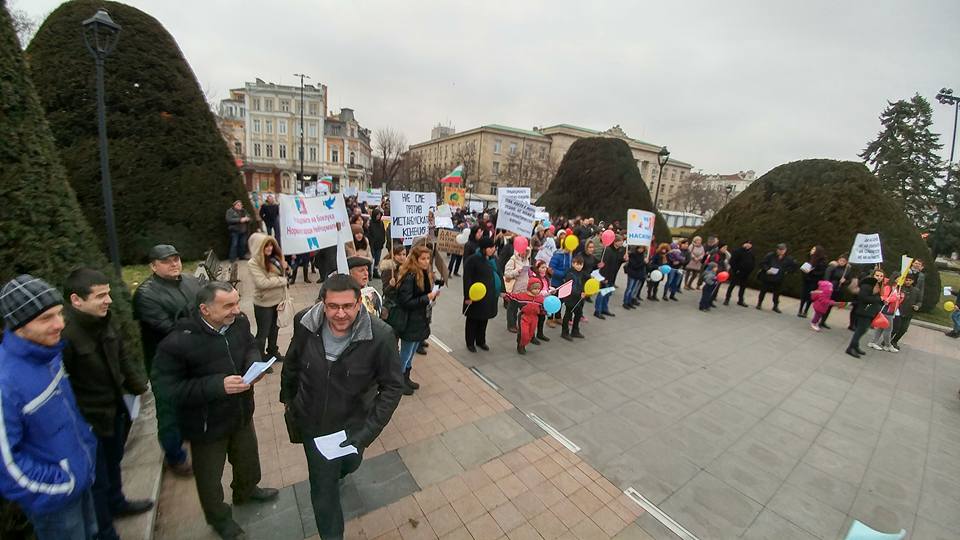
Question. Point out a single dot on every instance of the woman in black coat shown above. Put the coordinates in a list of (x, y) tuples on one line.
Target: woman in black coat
[(868, 305), (811, 277), (480, 267), (414, 297), (377, 235)]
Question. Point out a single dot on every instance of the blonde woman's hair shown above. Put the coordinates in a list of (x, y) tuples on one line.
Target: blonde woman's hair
[(411, 266)]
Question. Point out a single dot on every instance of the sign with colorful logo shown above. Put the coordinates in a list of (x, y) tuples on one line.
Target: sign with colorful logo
[(310, 223), (454, 196), (640, 227)]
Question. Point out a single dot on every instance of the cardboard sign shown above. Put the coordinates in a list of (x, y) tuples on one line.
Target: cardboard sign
[(310, 223), (866, 249), (640, 227), (516, 215), (447, 242), (410, 214), (505, 193), (454, 196), (373, 197)]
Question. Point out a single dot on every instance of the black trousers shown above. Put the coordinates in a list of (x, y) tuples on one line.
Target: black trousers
[(805, 301), (574, 314), (454, 265), (766, 287), (108, 484), (325, 478), (862, 325), (267, 330), (652, 288), (900, 326), (736, 281), (475, 331), (240, 447)]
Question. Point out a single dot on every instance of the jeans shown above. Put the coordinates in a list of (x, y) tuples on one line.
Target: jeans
[(376, 252), (706, 297), (78, 521), (325, 476), (108, 484), (955, 317), (674, 279), (238, 245), (632, 290), (267, 330), (602, 303), (240, 447), (407, 351)]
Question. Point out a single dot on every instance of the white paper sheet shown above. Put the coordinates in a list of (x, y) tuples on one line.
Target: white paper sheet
[(806, 268), (596, 275), (947, 291), (133, 405), (256, 369), (329, 445)]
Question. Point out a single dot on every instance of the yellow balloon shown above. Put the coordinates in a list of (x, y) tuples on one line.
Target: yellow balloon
[(949, 306), (571, 242), (477, 291), (591, 287)]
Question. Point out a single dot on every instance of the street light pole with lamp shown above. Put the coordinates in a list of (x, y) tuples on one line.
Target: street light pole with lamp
[(100, 35), (946, 97), (662, 158), (302, 134), (729, 190)]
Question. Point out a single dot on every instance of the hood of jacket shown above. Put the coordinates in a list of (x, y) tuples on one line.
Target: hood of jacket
[(825, 287), (257, 242)]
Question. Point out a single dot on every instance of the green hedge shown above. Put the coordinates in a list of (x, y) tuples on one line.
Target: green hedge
[(173, 175), (599, 177), (825, 202)]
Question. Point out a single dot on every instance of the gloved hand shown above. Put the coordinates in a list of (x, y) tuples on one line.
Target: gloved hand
[(358, 439)]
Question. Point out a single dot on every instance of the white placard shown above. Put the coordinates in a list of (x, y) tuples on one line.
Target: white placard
[(516, 215), (443, 217), (310, 223), (504, 193), (475, 206), (866, 249), (350, 192), (410, 214), (373, 197), (640, 227)]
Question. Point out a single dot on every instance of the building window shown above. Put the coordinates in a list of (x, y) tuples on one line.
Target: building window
[(312, 129), (268, 105), (282, 127), (513, 149), (237, 148), (313, 153), (543, 152), (314, 109), (255, 104), (335, 155), (493, 188), (270, 150), (496, 167), (285, 105), (269, 124), (283, 151), (353, 157), (497, 144), (256, 149), (256, 126)]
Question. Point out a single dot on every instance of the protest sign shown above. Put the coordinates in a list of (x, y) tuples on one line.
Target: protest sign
[(410, 214), (639, 227), (447, 242), (310, 223), (504, 193), (443, 217), (516, 215), (373, 197), (866, 249), (476, 206), (350, 191), (454, 196), (542, 218)]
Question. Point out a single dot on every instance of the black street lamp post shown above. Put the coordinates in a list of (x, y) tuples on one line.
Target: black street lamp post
[(946, 97), (662, 158), (302, 133), (729, 190), (100, 35)]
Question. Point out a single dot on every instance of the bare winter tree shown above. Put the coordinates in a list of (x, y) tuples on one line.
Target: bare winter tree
[(697, 195), (389, 148), (23, 25), (529, 169)]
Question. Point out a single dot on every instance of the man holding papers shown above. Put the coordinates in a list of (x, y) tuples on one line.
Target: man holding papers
[(340, 382), (200, 365)]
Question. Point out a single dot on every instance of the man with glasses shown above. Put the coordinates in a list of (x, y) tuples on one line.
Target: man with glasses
[(341, 373)]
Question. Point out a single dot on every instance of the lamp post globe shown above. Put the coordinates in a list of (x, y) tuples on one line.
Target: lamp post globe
[(663, 156)]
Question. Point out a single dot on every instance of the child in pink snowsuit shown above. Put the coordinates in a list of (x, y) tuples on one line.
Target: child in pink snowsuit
[(821, 302)]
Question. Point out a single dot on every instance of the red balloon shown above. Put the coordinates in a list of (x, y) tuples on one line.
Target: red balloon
[(722, 277), (553, 228), (569, 230), (607, 238), (520, 244)]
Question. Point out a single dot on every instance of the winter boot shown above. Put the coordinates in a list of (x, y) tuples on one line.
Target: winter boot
[(409, 382)]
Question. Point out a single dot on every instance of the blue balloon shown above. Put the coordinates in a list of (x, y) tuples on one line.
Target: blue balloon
[(665, 269), (551, 304)]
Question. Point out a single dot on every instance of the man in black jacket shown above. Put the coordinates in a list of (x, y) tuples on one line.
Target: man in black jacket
[(773, 269), (159, 302), (341, 373), (742, 262), (270, 215), (101, 372), (200, 365)]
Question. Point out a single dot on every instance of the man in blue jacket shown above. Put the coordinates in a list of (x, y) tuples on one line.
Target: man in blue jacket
[(49, 451)]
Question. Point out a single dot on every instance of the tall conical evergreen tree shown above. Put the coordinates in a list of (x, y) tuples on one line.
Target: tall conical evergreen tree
[(904, 157), (42, 230), (598, 177), (173, 175)]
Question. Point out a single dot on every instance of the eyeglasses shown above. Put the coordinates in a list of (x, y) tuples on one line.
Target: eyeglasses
[(333, 308)]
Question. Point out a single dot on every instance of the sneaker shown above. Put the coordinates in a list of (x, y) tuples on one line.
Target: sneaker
[(873, 345), (814, 327), (891, 348)]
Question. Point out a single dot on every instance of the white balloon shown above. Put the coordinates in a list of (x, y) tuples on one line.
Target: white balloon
[(463, 237), (656, 276)]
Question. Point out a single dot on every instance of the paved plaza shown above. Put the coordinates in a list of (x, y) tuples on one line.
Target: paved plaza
[(734, 423)]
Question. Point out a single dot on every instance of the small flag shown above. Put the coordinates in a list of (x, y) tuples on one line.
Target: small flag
[(455, 176), (327, 181), (565, 290)]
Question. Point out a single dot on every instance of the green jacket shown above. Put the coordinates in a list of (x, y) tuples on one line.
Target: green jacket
[(100, 370)]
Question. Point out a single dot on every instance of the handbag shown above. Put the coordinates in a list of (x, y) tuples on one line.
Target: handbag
[(880, 322), (285, 310)]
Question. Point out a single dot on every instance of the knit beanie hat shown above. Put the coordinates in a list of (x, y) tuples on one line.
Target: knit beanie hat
[(24, 298)]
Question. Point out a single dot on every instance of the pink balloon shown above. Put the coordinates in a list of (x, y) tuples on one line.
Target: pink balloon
[(520, 244), (607, 238), (553, 228), (722, 277)]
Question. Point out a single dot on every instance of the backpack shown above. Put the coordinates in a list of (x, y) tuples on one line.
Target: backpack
[(392, 313)]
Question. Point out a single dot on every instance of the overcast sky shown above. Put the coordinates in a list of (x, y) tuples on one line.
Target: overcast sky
[(727, 86)]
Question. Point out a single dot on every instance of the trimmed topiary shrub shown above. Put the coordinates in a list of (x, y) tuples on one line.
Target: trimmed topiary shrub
[(173, 176), (825, 202), (598, 177), (42, 231)]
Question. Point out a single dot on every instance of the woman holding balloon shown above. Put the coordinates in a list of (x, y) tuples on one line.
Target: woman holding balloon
[(481, 290)]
